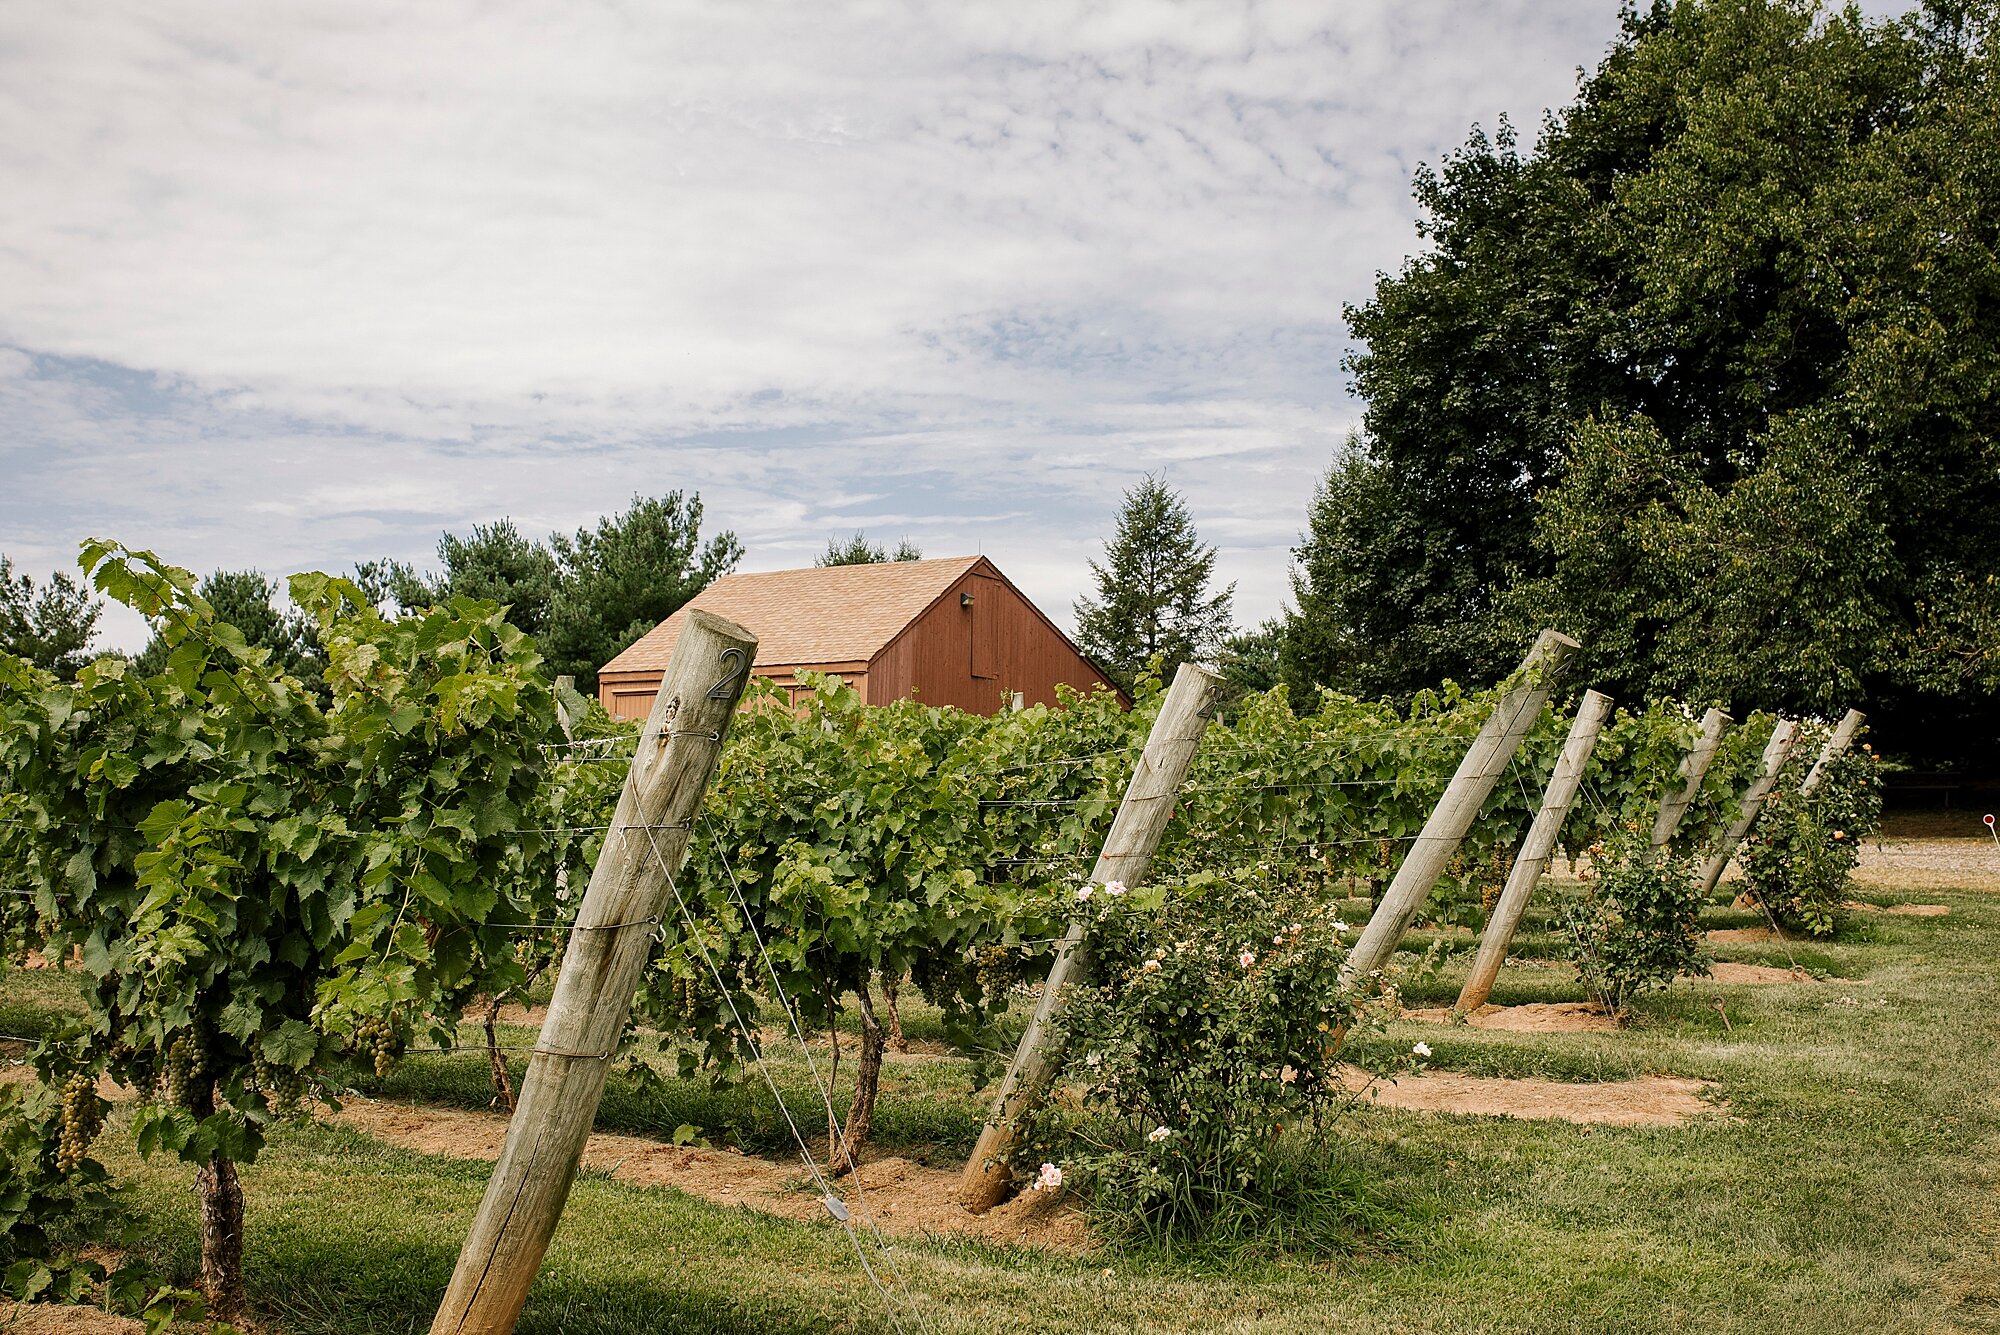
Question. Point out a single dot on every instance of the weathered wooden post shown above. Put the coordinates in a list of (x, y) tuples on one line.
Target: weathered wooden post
[(1694, 768), (1533, 858), (614, 934), (1842, 738), (1126, 856), (1776, 752), (1485, 761)]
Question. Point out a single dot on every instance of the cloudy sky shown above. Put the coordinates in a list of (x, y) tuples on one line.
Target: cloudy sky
[(295, 285)]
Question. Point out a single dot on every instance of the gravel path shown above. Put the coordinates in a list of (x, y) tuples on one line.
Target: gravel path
[(1934, 864)]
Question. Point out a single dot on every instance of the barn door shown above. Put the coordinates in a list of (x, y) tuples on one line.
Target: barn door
[(985, 620)]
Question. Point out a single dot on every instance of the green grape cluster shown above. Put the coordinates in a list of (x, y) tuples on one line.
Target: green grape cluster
[(998, 967), (187, 1059), (376, 1034), (82, 1119), (283, 1089)]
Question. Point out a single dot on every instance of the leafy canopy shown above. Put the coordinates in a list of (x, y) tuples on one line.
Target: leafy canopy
[(248, 600), (260, 877), (1741, 290)]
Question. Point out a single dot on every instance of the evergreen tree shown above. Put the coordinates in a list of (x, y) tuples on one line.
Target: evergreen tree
[(50, 626), (620, 579), (248, 600), (858, 551), (497, 562), (1152, 592)]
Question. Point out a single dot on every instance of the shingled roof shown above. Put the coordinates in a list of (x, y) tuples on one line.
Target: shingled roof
[(824, 614)]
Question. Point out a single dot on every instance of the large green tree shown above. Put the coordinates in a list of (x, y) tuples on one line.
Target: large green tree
[(620, 579), (50, 625), (495, 563), (1708, 378), (1153, 596), (583, 596)]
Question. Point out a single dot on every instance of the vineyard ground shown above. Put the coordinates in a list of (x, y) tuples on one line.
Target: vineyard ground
[(1846, 1178)]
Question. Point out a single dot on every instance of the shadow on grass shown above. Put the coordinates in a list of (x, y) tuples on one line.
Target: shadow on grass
[(314, 1302), (740, 1113), (347, 1235)]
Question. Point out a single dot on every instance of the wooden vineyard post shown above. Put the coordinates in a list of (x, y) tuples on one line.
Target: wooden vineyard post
[(1535, 849), (1693, 770), (1842, 738), (1485, 761), (629, 897), (1126, 856), (1776, 752)]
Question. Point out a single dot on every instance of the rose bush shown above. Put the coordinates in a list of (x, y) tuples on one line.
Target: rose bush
[(1205, 1032), (1803, 852), (1634, 929)]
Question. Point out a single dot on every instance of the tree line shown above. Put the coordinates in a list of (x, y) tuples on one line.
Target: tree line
[(1708, 378)]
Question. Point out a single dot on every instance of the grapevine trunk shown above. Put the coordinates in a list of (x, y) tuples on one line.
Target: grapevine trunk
[(221, 1195), (503, 1088), (867, 1080), (896, 1038)]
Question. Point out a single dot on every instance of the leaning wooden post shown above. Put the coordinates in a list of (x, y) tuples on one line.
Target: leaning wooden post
[(1694, 768), (1485, 761), (1776, 752), (1535, 849), (1126, 856), (1842, 738), (629, 897)]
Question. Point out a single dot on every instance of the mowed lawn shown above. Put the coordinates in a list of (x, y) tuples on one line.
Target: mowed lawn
[(1846, 1184)]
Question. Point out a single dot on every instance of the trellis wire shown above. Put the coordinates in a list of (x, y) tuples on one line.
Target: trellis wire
[(756, 1050), (812, 1063)]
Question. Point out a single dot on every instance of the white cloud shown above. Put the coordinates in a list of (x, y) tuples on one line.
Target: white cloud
[(305, 284)]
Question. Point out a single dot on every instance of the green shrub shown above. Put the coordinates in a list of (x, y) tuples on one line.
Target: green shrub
[(1203, 1036), (1803, 851), (1634, 929)]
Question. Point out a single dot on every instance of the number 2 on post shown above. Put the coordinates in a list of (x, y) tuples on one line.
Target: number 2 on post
[(726, 688)]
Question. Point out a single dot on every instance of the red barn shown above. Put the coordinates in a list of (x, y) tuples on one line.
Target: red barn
[(948, 632)]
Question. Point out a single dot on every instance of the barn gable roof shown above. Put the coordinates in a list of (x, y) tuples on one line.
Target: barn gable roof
[(823, 614)]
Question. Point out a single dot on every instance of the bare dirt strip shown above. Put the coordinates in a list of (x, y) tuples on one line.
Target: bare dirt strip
[(903, 1197), (1649, 1100), (1536, 1017), (55, 1319)]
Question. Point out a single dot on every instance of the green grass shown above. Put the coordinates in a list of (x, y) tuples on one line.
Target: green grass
[(1850, 1186)]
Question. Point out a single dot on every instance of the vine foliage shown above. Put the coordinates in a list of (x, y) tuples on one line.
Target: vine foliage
[(261, 878)]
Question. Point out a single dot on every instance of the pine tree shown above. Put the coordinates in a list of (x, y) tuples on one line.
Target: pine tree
[(51, 625), (1153, 598), (858, 551)]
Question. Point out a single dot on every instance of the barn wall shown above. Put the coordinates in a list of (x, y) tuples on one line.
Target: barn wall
[(1000, 637), (629, 695)]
